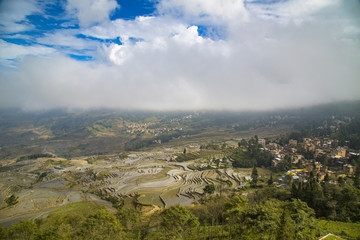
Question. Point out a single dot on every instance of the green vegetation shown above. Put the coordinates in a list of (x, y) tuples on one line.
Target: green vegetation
[(101, 224), (254, 176), (267, 212), (270, 181), (342, 229), (300, 210), (12, 200), (186, 157), (349, 132), (210, 188), (289, 208), (215, 217), (34, 156), (82, 208), (329, 200), (174, 223), (249, 154), (345, 133), (102, 175)]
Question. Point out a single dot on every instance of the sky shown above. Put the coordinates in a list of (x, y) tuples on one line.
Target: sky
[(178, 54)]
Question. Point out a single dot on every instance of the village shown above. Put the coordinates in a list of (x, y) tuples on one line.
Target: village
[(154, 127), (324, 157)]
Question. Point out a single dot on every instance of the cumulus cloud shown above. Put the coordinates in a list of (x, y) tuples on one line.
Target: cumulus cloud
[(144, 28), (92, 11), (305, 55)]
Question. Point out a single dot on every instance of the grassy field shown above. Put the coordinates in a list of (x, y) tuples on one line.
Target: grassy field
[(81, 208), (342, 229), (153, 177), (151, 199)]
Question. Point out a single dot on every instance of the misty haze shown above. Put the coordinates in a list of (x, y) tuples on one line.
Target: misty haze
[(180, 119)]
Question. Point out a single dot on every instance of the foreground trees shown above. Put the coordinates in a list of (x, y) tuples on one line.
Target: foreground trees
[(216, 218), (174, 223), (100, 225), (334, 201), (273, 219)]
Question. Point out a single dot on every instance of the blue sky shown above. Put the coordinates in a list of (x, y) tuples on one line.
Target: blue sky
[(49, 17), (178, 54)]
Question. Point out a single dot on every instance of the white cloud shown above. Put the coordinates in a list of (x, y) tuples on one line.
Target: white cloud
[(67, 38), (12, 12), (303, 57), (296, 11), (146, 28), (299, 65), (83, 84), (118, 54), (10, 52), (184, 41), (92, 11), (206, 11), (190, 37)]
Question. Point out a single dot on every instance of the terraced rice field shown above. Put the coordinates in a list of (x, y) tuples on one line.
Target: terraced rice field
[(43, 185)]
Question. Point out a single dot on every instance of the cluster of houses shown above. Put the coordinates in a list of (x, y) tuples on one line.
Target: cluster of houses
[(146, 128), (328, 148), (149, 128)]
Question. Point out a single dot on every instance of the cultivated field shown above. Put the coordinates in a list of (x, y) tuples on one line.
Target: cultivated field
[(148, 178)]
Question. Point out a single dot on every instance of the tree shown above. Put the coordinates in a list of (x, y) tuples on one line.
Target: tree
[(285, 164), (323, 159), (313, 192), (241, 160), (211, 211), (210, 188), (2, 232), (296, 190), (341, 181), (217, 162), (254, 175), (327, 178), (270, 181), (243, 142), (286, 227), (255, 221), (24, 230), (101, 225), (12, 200), (176, 221), (357, 177), (130, 218), (135, 200), (273, 219)]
